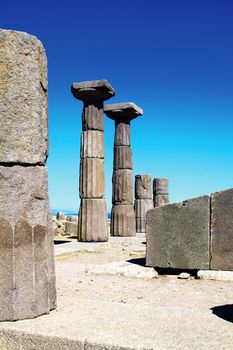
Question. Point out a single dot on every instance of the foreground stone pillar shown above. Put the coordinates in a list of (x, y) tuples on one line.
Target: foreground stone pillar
[(143, 200), (93, 221), (160, 192), (122, 216), (27, 278)]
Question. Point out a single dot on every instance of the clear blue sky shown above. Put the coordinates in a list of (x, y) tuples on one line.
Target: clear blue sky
[(174, 58)]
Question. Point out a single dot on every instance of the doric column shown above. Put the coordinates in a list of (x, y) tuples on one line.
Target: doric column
[(122, 216), (143, 200), (93, 221), (160, 192), (27, 277)]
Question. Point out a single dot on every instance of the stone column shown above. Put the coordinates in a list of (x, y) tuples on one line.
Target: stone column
[(27, 278), (122, 216), (93, 221), (143, 200), (160, 192)]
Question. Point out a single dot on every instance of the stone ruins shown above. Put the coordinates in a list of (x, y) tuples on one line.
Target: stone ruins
[(27, 278), (194, 234), (93, 220), (160, 192), (143, 200), (122, 215)]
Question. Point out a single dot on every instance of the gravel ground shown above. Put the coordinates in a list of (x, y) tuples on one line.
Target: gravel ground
[(102, 311)]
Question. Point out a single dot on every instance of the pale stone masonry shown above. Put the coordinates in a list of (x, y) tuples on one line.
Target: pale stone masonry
[(93, 221), (178, 235), (27, 277), (122, 215), (194, 234), (160, 192), (143, 200)]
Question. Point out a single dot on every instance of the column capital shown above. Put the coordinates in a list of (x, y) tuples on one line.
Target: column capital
[(123, 111), (96, 90)]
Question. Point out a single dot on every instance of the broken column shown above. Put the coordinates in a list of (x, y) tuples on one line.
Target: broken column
[(160, 192), (143, 200), (27, 278), (93, 221), (122, 215)]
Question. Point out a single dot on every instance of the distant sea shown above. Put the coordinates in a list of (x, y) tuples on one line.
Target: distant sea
[(69, 212)]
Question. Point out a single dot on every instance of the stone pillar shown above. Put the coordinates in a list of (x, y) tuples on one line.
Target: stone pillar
[(93, 221), (143, 200), (160, 192), (27, 277), (122, 216)]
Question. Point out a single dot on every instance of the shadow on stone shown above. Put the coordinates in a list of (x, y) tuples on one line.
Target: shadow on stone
[(171, 271), (224, 311), (138, 261), (57, 241)]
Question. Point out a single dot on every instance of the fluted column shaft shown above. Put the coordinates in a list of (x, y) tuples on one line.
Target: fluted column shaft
[(143, 200), (93, 221), (160, 192), (122, 215)]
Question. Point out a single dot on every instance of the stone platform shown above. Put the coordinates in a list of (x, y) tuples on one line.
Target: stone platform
[(103, 311)]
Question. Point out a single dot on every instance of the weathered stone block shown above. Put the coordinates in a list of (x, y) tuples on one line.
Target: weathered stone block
[(92, 180), (122, 157), (161, 199), (141, 224), (222, 230), (122, 187), (93, 117), (143, 188), (92, 144), (123, 221), (122, 133), (71, 228), (93, 221), (142, 206), (160, 186), (27, 287), (23, 99), (178, 235)]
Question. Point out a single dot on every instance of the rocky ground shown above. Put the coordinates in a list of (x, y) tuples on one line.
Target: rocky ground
[(107, 299)]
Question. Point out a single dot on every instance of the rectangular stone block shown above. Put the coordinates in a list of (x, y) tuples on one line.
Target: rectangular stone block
[(122, 133), (93, 221), (27, 277), (143, 188), (92, 144), (23, 99), (122, 187), (178, 235), (92, 180), (142, 206), (122, 157), (161, 199), (93, 117), (222, 230)]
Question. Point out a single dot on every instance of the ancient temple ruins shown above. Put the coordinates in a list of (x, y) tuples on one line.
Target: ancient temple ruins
[(93, 221), (27, 278), (122, 215), (143, 200)]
